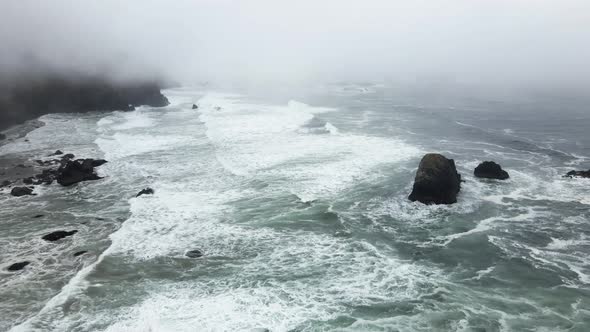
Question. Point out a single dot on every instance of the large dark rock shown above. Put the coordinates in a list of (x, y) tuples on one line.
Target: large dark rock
[(21, 191), (58, 235), (490, 170), (437, 181), (18, 266), (580, 174), (195, 106), (146, 191), (77, 171), (26, 98)]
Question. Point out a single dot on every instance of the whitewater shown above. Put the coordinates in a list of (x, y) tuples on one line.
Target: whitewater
[(300, 210)]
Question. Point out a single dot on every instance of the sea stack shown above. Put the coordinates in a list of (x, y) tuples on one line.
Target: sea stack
[(490, 170), (437, 181)]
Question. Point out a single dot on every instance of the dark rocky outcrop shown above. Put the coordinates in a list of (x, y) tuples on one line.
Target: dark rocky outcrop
[(437, 181), (80, 253), (28, 98), (21, 191), (146, 191), (195, 106), (57, 153), (79, 170), (58, 235), (38, 216), (580, 174), (18, 266), (490, 170), (194, 253)]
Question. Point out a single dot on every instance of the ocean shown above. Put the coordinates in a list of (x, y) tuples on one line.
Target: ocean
[(298, 203)]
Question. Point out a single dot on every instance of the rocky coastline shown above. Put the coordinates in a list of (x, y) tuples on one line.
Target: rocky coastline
[(27, 99)]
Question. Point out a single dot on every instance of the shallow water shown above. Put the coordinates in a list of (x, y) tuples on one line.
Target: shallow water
[(302, 215)]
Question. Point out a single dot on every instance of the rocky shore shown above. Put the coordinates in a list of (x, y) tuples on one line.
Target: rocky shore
[(27, 99)]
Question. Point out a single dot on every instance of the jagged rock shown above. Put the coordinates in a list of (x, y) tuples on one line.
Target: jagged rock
[(58, 235), (195, 106), (18, 266), (437, 181), (68, 156), (490, 170), (21, 191), (98, 162), (146, 191), (581, 174), (80, 253), (57, 153), (194, 253), (76, 171)]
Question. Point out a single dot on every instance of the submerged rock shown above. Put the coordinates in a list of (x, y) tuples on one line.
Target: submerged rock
[(18, 266), (2, 136), (38, 216), (194, 253), (195, 106), (581, 174), (490, 170), (146, 191), (58, 235), (437, 181), (21, 191), (80, 253)]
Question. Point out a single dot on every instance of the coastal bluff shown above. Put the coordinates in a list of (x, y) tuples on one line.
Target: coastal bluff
[(27, 99)]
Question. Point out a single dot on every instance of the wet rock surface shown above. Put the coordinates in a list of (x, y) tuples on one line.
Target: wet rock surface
[(195, 253), (146, 191), (578, 174), (21, 191), (490, 170), (436, 181), (58, 235), (18, 266)]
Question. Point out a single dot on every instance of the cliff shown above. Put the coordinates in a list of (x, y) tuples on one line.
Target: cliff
[(29, 99)]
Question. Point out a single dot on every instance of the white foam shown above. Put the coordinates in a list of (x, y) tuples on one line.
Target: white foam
[(266, 141), (122, 145)]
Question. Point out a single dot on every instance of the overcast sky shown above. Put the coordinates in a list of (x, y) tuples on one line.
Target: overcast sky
[(501, 41)]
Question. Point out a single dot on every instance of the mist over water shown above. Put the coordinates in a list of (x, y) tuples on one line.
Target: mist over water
[(503, 43)]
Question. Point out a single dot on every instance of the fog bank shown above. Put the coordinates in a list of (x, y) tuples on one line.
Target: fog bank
[(505, 42)]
